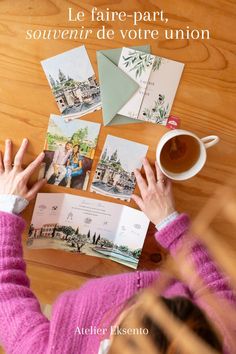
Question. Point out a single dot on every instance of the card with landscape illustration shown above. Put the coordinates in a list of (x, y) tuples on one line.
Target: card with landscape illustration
[(73, 82), (69, 152), (114, 175), (158, 79), (88, 226)]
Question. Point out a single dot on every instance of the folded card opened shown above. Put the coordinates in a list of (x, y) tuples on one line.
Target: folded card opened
[(88, 226)]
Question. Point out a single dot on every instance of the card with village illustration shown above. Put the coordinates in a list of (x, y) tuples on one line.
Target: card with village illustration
[(114, 175), (158, 79), (69, 152), (88, 226), (73, 82)]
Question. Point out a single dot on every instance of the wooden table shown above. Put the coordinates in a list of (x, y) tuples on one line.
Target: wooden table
[(205, 101)]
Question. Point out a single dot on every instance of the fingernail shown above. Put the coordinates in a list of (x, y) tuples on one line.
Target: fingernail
[(8, 141), (25, 140)]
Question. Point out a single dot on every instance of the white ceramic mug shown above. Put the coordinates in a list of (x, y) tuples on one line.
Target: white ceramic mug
[(204, 144)]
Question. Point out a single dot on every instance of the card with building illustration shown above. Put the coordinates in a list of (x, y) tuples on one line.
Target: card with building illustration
[(88, 226), (69, 152), (114, 175), (158, 79), (73, 82)]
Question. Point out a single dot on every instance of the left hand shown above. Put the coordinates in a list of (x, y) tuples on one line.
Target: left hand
[(13, 178), (156, 201)]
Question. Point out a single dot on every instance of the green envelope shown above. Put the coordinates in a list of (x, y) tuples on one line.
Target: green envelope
[(115, 85)]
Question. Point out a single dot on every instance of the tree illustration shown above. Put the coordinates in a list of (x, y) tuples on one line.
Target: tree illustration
[(114, 156), (61, 76), (104, 155), (31, 229), (79, 136), (88, 235), (67, 230), (77, 231), (124, 249), (97, 240), (94, 238), (79, 246), (137, 253), (52, 82)]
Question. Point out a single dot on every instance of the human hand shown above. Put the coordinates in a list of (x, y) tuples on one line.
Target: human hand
[(13, 178), (156, 201)]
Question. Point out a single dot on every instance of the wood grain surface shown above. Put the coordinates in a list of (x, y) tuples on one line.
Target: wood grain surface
[(205, 100)]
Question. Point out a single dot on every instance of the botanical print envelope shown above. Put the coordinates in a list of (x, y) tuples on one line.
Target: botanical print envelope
[(138, 66), (114, 175), (69, 152), (73, 82), (161, 89), (88, 226)]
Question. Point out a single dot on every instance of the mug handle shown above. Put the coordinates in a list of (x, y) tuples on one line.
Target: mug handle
[(210, 140)]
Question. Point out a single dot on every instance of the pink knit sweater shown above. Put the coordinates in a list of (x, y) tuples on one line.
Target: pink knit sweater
[(23, 327)]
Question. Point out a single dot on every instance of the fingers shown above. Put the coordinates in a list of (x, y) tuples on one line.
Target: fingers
[(20, 154), (161, 178), (7, 159), (160, 174), (149, 172), (34, 190), (33, 166), (1, 163), (141, 183), (138, 201), (168, 185)]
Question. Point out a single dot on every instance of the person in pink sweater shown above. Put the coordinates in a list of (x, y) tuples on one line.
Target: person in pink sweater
[(81, 319)]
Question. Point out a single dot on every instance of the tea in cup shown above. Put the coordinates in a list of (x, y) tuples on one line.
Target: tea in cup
[(181, 154)]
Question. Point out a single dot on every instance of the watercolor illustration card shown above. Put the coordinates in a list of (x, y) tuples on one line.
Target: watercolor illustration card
[(114, 175), (161, 89), (158, 79), (129, 62), (69, 152), (73, 82), (88, 226)]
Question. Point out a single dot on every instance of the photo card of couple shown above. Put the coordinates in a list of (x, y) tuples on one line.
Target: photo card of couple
[(158, 79), (114, 175), (73, 82), (69, 152), (88, 226)]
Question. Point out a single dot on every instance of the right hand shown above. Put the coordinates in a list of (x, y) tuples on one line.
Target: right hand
[(13, 177), (156, 201)]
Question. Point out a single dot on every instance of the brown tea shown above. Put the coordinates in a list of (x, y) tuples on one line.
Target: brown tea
[(180, 153)]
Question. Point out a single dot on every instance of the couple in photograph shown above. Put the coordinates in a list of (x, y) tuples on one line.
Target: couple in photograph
[(66, 164)]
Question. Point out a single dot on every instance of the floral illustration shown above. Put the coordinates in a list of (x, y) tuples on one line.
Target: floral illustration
[(159, 112), (138, 61), (157, 63)]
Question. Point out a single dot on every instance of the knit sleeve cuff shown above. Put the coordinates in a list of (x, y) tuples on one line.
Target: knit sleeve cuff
[(172, 232), (11, 228)]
